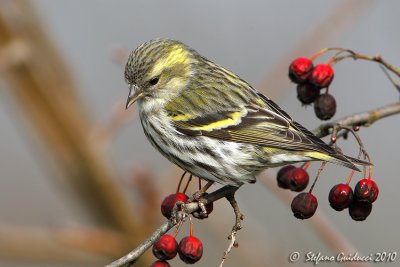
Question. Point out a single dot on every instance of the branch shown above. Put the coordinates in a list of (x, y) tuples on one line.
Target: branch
[(189, 208), (359, 119), (377, 58)]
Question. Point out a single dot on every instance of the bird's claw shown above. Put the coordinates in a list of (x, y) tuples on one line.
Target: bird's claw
[(202, 212)]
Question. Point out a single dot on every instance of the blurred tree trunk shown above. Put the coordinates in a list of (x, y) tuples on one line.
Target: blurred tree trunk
[(45, 93)]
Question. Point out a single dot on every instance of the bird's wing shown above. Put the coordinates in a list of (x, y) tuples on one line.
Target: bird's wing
[(259, 121)]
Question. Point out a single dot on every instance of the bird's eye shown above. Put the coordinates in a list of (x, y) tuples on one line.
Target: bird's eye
[(154, 81)]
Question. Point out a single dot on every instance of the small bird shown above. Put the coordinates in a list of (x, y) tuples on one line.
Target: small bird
[(210, 122)]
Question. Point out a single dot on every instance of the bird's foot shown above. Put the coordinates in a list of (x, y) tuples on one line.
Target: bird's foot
[(202, 213), (199, 197), (199, 194)]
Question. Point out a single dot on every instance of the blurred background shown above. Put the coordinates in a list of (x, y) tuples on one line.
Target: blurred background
[(80, 184)]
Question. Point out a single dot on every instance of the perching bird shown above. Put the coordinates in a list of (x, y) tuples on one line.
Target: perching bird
[(210, 122)]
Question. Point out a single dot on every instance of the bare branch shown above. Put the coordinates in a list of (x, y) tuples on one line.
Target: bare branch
[(359, 119), (377, 58)]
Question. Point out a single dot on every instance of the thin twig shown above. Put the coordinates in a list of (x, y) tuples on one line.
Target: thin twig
[(377, 58), (233, 243), (391, 79), (321, 168)]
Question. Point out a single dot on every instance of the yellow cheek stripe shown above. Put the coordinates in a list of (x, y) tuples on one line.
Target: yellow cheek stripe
[(176, 83), (178, 55), (234, 119)]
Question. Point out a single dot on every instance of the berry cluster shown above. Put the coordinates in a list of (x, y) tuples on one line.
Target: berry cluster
[(190, 248), (310, 80), (296, 179), (341, 196), (358, 202)]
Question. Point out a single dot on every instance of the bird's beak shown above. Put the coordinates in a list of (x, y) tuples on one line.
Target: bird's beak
[(134, 94)]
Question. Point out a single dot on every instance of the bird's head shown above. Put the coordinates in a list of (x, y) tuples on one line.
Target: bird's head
[(158, 69)]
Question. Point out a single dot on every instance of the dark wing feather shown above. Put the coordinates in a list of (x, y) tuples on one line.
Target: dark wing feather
[(265, 126)]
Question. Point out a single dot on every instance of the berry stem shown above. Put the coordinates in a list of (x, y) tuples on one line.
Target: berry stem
[(326, 49), (188, 182), (370, 173), (178, 227), (180, 181), (350, 177), (337, 54), (318, 173), (191, 226), (353, 171), (306, 165), (360, 143), (320, 52)]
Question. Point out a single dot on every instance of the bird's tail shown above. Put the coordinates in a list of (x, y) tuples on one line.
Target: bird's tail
[(340, 159)]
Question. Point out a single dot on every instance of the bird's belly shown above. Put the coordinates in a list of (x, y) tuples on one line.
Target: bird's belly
[(207, 158)]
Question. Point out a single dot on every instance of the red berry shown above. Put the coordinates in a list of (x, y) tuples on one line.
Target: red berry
[(300, 69), (209, 208), (359, 211), (340, 196), (165, 248), (160, 264), (307, 93), (322, 75), (325, 107), (170, 201), (284, 175), (190, 249), (366, 190), (299, 180), (304, 205)]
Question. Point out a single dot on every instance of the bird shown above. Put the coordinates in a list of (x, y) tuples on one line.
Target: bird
[(211, 123)]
